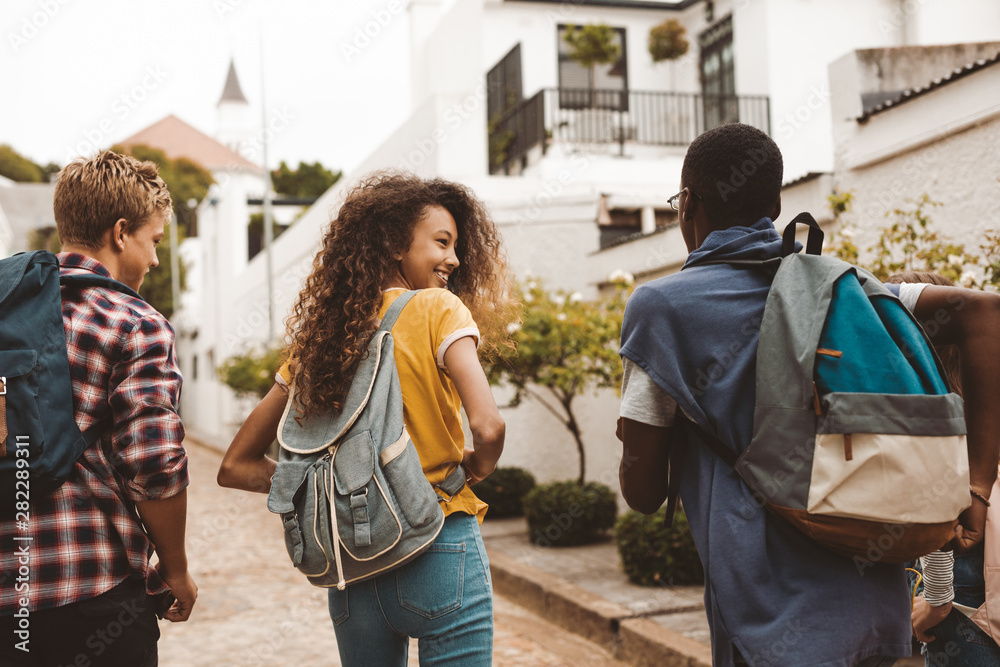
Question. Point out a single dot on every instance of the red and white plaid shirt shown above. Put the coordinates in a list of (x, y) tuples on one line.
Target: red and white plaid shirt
[(85, 538)]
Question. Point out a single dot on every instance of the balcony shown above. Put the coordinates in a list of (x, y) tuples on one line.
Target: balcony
[(587, 116)]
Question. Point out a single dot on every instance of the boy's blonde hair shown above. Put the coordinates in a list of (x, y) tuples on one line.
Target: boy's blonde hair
[(93, 194)]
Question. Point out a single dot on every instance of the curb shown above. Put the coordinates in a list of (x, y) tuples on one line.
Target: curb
[(630, 638)]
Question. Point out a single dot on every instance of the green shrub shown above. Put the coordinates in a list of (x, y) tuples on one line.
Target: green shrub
[(504, 490), (653, 554), (251, 374), (565, 513)]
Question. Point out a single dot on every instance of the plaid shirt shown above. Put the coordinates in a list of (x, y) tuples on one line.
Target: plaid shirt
[(86, 538)]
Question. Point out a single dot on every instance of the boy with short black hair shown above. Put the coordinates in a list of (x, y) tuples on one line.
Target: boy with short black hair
[(92, 538), (689, 345)]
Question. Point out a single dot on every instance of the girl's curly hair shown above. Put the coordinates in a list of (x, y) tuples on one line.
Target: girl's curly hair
[(336, 312)]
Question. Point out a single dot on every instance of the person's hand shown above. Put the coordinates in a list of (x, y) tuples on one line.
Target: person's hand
[(184, 590), (926, 617), (971, 527), (475, 471)]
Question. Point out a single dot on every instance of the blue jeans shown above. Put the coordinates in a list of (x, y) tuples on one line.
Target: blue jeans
[(957, 640), (444, 598)]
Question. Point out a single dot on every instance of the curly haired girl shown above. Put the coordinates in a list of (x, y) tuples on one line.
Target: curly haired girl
[(397, 232)]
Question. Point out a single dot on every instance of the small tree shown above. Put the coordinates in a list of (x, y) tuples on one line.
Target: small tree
[(668, 42), (909, 243), (308, 181), (565, 347), (18, 168), (592, 45), (251, 374)]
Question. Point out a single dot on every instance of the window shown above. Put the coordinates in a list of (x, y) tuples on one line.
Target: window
[(503, 84), (578, 90), (718, 74)]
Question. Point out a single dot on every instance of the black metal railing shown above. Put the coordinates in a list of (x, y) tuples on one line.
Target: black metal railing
[(586, 116)]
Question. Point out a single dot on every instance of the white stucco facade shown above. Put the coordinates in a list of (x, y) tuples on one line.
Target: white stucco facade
[(548, 212)]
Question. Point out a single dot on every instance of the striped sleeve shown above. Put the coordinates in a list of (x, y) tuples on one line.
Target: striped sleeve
[(938, 571)]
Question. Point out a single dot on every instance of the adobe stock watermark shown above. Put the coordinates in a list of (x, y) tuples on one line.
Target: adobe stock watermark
[(453, 118), (363, 35), (123, 106), (31, 25), (223, 7), (739, 173), (897, 19), (818, 98)]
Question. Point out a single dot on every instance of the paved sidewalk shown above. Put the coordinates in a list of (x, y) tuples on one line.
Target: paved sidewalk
[(585, 590), (557, 607), (254, 609)]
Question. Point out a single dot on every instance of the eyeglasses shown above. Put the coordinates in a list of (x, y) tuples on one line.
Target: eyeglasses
[(676, 199)]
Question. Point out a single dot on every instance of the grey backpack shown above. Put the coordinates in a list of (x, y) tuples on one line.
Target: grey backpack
[(349, 486)]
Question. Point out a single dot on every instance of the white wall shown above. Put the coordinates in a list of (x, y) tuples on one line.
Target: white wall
[(950, 22), (942, 144)]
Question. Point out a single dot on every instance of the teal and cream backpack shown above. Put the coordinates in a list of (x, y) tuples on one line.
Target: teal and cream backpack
[(857, 440)]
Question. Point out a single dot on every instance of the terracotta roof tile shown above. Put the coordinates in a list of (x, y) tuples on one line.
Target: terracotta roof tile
[(178, 139)]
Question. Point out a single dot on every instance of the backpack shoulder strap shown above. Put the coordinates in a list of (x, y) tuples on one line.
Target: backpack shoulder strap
[(94, 280), (395, 309)]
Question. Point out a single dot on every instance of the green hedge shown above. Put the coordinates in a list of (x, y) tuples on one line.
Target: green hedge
[(653, 554), (564, 513), (504, 491)]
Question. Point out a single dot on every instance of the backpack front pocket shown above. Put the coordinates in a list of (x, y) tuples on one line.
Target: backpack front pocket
[(888, 457), (367, 523)]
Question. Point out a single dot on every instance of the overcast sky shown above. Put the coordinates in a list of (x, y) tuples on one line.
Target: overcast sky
[(77, 75)]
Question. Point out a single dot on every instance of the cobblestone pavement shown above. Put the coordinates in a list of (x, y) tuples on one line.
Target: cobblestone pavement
[(254, 609)]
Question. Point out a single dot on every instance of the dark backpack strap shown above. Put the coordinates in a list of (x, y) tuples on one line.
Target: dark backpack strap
[(814, 244), (675, 470), (676, 460), (393, 312), (718, 447), (93, 280), (452, 484)]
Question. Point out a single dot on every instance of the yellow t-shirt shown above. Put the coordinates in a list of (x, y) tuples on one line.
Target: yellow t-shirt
[(430, 323)]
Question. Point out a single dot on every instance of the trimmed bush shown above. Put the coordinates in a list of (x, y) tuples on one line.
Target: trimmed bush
[(653, 554), (563, 514), (504, 490)]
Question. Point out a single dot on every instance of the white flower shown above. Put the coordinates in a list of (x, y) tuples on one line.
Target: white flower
[(967, 278), (532, 284), (955, 260), (619, 276), (528, 297), (558, 299), (847, 233), (575, 297), (513, 327), (561, 317)]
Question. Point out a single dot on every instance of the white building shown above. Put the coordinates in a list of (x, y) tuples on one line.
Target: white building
[(25, 208), (498, 105), (933, 131)]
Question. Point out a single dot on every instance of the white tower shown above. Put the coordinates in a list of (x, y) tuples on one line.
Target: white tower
[(234, 113)]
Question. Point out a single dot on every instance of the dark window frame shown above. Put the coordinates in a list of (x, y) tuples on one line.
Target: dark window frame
[(588, 100), (504, 88), (718, 87)]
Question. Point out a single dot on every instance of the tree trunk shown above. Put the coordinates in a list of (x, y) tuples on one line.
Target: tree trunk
[(574, 428), (593, 82)]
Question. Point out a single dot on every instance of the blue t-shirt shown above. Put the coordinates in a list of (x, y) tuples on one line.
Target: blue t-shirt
[(771, 592)]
